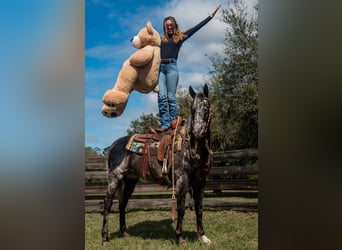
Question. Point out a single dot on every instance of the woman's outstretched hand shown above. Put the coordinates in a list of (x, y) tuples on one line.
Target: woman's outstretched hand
[(214, 12)]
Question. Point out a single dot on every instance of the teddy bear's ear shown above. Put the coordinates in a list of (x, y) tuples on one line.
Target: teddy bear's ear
[(149, 27)]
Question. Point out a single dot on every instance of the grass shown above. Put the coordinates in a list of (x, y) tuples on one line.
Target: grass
[(154, 230)]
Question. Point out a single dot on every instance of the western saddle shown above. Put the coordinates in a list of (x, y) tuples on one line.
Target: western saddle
[(157, 150)]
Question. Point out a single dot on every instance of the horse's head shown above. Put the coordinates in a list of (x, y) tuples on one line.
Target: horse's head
[(200, 113)]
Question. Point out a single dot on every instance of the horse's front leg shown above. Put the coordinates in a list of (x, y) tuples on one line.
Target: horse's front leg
[(198, 193), (182, 189)]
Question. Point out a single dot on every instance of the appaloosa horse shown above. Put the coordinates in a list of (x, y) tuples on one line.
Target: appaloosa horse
[(191, 165)]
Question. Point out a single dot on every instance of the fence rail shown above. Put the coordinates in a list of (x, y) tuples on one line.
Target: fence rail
[(223, 181)]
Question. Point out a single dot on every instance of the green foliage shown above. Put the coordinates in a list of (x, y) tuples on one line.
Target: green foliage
[(234, 83), (233, 86), (105, 151), (93, 152), (140, 125), (184, 102)]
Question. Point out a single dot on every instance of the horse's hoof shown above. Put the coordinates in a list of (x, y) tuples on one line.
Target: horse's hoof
[(126, 235), (205, 239), (105, 243), (182, 242)]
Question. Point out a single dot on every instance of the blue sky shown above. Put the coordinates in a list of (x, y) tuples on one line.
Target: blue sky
[(109, 26)]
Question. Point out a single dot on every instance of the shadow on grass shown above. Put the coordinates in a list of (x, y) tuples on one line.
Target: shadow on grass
[(158, 229)]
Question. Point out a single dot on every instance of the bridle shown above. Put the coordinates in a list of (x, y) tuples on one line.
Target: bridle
[(193, 152), (211, 112)]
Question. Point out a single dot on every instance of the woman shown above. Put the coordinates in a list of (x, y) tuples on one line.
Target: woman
[(172, 41)]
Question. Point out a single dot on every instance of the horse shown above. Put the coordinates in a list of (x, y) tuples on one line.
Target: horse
[(191, 165)]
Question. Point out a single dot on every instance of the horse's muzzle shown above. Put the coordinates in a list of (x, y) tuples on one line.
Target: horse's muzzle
[(198, 131)]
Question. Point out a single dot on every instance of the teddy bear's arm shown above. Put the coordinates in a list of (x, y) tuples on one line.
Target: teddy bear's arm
[(142, 56)]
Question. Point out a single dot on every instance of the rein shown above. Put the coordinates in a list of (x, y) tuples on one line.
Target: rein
[(173, 198), (211, 113)]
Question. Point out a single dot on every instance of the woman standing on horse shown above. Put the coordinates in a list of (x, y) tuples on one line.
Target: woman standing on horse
[(172, 41)]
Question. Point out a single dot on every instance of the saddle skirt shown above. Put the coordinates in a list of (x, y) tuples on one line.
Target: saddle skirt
[(157, 151)]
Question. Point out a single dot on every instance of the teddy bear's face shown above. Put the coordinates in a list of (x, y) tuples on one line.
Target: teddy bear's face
[(146, 36)]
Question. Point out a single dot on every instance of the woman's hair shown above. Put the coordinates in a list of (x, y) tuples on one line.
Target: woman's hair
[(177, 36)]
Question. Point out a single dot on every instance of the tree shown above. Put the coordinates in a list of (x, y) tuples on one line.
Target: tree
[(234, 83), (184, 102), (93, 152), (140, 125)]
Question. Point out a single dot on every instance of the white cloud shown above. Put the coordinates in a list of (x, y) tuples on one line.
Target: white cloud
[(193, 63), (110, 51), (151, 103), (192, 56), (101, 131), (195, 79)]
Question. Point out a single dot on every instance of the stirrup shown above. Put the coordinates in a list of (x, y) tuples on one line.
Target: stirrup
[(164, 168)]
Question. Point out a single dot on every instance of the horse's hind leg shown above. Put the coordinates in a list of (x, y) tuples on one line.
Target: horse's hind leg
[(128, 188), (108, 201), (182, 189), (198, 191)]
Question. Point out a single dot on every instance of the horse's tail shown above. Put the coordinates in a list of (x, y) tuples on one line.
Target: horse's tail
[(117, 152)]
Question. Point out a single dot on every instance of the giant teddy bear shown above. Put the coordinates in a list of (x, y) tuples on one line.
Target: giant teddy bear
[(139, 72)]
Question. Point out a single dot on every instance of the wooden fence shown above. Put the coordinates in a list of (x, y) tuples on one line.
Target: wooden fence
[(225, 181)]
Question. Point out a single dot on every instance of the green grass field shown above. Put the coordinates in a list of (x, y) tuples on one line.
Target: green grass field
[(154, 230)]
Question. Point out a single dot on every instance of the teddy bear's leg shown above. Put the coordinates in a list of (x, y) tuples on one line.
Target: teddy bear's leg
[(109, 112), (114, 103)]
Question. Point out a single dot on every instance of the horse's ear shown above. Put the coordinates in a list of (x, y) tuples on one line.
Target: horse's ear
[(206, 90), (192, 92)]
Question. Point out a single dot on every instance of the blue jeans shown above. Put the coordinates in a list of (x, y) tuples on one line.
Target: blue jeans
[(167, 103)]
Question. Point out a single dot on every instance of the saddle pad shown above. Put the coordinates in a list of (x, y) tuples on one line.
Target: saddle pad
[(159, 145), (138, 146)]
